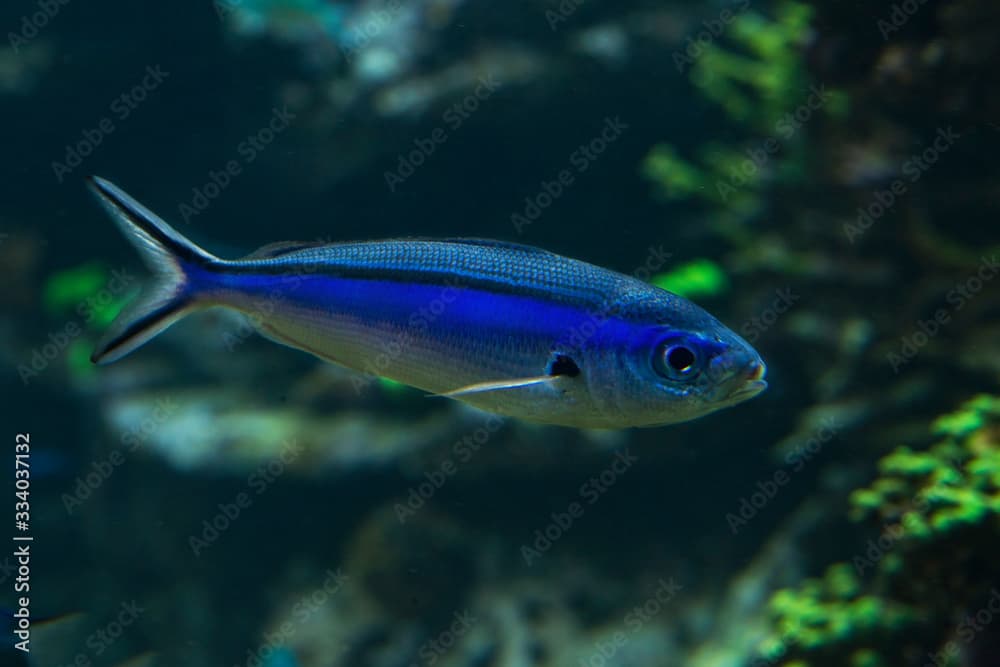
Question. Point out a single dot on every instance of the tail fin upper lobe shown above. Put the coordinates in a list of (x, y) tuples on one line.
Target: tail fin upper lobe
[(172, 258)]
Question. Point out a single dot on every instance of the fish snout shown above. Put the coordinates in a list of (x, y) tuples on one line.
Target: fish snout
[(750, 381), (736, 376)]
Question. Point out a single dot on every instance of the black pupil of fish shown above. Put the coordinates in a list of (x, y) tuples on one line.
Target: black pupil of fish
[(680, 358)]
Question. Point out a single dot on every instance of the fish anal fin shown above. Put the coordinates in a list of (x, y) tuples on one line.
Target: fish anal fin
[(499, 385)]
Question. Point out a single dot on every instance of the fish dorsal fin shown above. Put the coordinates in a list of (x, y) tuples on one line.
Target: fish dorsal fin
[(272, 250), (282, 248), (491, 243)]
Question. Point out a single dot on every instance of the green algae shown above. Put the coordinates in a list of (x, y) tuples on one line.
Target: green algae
[(953, 484), (757, 80), (700, 277), (755, 73), (829, 611), (928, 501), (65, 289)]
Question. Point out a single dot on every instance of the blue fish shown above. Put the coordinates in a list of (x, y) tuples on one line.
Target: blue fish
[(507, 328)]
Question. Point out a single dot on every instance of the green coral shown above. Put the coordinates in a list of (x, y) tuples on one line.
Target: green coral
[(927, 501)]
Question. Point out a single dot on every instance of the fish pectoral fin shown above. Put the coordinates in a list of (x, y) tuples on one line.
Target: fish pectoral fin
[(498, 385)]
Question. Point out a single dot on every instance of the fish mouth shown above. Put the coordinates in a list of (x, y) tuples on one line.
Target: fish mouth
[(753, 382)]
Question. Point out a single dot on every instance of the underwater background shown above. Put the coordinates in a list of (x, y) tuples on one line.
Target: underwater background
[(821, 176)]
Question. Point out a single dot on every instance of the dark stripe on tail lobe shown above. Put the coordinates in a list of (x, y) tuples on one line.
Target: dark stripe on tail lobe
[(148, 221), (171, 257)]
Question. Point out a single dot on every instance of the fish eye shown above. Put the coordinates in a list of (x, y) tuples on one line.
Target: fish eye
[(676, 361)]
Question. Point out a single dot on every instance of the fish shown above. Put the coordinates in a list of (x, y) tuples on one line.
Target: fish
[(507, 328)]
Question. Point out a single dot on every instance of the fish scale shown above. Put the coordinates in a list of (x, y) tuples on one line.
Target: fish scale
[(471, 260)]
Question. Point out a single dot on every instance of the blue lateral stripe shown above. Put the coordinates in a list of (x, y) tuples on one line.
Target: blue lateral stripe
[(415, 306), (584, 297)]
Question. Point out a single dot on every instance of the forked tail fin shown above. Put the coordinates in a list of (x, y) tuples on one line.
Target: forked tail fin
[(175, 261)]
